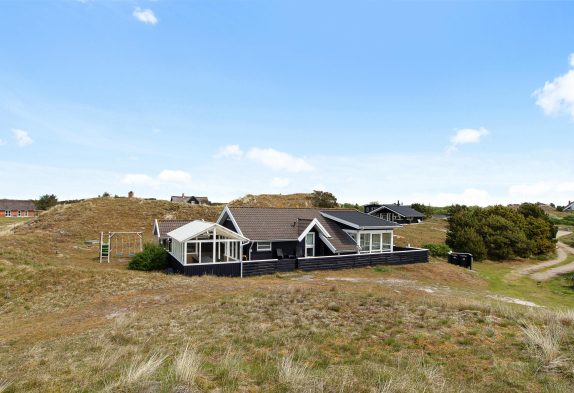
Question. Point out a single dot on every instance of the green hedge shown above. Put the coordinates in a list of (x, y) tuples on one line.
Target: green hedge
[(437, 250), (153, 257)]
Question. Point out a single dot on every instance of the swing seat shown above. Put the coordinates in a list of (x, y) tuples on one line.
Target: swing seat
[(120, 254)]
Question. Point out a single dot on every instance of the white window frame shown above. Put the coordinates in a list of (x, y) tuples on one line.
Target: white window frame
[(25, 213), (195, 248), (262, 246), (383, 247), (19, 214), (310, 245), (7, 213)]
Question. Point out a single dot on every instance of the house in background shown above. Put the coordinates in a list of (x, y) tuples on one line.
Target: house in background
[(194, 200), (569, 207), (17, 208), (395, 212)]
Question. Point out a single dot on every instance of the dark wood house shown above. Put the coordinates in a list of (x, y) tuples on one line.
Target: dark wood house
[(395, 212), (302, 233), (194, 200)]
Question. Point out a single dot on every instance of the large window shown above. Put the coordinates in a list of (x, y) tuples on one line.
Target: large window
[(310, 245), (376, 241), (8, 213), (192, 248), (263, 246)]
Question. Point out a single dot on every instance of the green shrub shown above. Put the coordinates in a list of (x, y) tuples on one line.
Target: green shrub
[(500, 232), (437, 250), (153, 257)]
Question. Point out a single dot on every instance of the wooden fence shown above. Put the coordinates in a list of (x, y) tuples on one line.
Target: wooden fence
[(401, 256)]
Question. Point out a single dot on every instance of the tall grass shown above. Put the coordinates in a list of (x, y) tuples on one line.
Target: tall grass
[(139, 372), (186, 366), (544, 344)]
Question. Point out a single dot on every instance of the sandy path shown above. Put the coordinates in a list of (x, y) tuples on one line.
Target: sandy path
[(561, 249), (550, 273)]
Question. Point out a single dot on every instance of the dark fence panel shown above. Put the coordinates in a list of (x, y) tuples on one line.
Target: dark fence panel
[(255, 268)]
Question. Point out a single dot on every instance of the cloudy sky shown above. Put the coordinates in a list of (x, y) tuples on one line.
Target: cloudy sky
[(450, 102)]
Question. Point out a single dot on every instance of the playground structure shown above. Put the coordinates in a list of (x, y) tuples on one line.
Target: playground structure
[(120, 245)]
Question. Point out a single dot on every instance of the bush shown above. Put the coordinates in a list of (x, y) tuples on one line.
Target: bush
[(437, 250), (153, 257), (46, 201), (500, 232)]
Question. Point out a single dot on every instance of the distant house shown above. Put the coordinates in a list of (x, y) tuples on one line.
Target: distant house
[(194, 200), (395, 212), (569, 207), (17, 208)]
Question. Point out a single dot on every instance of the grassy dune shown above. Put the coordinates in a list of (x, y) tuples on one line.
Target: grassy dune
[(68, 323)]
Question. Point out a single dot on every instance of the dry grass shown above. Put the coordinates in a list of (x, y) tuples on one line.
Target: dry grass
[(186, 366), (274, 200), (429, 231), (71, 324), (139, 372), (545, 344)]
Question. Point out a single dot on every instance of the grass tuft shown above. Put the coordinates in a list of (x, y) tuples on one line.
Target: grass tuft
[(187, 365), (544, 345), (141, 371)]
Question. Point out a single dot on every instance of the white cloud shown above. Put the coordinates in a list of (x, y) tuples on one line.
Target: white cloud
[(544, 191), (469, 196), (171, 176), (230, 151), (145, 16), (138, 179), (465, 136), (22, 137), (557, 96), (278, 160), (280, 182)]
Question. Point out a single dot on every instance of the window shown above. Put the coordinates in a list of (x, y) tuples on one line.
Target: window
[(387, 241), (25, 213), (8, 213), (376, 242), (310, 245), (263, 246), (192, 248), (19, 213), (365, 242)]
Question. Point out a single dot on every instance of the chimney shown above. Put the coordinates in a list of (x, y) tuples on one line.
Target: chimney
[(398, 203)]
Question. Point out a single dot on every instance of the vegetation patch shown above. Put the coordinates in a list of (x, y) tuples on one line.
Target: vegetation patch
[(153, 257)]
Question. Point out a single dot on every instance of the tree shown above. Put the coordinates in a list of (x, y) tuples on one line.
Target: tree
[(46, 201), (426, 210), (323, 199), (105, 194)]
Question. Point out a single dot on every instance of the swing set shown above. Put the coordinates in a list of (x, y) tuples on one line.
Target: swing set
[(120, 245)]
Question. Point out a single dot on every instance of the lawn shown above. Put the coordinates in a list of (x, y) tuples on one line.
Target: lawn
[(557, 293)]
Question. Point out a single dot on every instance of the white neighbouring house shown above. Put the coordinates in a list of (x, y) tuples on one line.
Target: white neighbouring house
[(569, 207)]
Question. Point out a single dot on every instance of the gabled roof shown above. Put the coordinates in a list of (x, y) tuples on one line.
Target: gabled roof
[(188, 199), (162, 227), (401, 210), (358, 220), (15, 204), (197, 227), (285, 224), (568, 207)]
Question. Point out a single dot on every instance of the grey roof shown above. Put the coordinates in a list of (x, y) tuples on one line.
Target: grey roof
[(189, 199), (15, 204), (405, 211), (274, 224), (358, 220), (569, 207), (165, 226)]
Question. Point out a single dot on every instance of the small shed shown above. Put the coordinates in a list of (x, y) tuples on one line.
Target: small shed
[(205, 242)]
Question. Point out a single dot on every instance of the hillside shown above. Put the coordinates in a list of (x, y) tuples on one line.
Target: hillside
[(274, 200), (68, 323)]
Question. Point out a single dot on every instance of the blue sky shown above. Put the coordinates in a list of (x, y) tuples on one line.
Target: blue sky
[(447, 102)]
